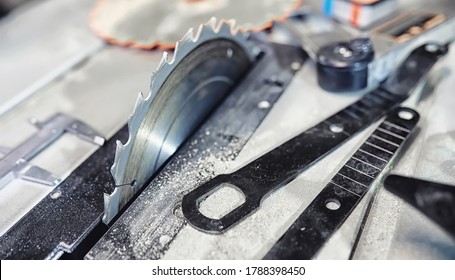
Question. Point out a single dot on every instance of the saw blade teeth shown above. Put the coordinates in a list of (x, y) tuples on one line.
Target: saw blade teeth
[(226, 28), (211, 23), (118, 155), (189, 37), (176, 51), (120, 147), (183, 46), (114, 172), (163, 61), (202, 32), (158, 75), (152, 81), (139, 100), (131, 119), (206, 32), (176, 55), (232, 24), (138, 111)]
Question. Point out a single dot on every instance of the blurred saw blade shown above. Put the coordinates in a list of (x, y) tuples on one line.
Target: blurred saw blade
[(204, 69), (155, 23)]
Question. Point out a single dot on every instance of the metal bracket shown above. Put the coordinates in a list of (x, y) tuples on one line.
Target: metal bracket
[(15, 161)]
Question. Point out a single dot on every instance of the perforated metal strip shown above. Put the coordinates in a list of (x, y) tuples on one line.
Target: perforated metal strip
[(328, 211)]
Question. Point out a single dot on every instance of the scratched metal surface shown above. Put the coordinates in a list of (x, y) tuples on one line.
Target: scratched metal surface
[(393, 230), (34, 50)]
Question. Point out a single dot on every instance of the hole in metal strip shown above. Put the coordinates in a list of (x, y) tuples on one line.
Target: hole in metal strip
[(405, 115), (332, 204)]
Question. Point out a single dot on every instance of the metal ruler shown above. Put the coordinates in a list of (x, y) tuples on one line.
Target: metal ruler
[(332, 206)]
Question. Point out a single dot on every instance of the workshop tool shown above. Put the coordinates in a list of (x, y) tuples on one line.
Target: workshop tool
[(435, 200), (333, 205), (349, 59), (283, 164), (203, 70)]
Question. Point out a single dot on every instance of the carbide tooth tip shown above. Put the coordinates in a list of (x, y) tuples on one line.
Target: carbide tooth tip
[(220, 25), (211, 23), (188, 36), (224, 28), (119, 147), (163, 60), (140, 98), (176, 52), (232, 26)]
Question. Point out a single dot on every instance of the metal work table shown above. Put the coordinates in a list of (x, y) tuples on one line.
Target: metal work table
[(68, 69)]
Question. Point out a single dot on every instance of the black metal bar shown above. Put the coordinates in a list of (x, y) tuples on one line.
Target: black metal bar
[(435, 200)]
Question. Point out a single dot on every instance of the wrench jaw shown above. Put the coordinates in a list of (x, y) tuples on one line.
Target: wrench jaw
[(192, 201)]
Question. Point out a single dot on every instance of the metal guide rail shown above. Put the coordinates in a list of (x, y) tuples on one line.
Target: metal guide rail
[(14, 162)]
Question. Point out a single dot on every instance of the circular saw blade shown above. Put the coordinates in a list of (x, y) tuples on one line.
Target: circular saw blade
[(151, 23), (183, 92)]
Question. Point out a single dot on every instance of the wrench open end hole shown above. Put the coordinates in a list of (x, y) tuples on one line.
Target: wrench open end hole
[(226, 198), (332, 204)]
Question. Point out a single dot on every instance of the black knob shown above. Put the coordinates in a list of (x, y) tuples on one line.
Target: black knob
[(343, 66)]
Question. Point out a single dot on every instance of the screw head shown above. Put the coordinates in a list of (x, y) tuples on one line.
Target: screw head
[(343, 51)]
